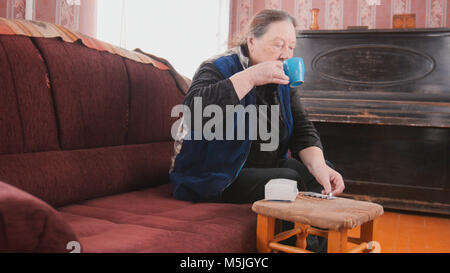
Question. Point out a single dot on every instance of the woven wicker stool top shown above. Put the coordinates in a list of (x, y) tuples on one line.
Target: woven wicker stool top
[(332, 214)]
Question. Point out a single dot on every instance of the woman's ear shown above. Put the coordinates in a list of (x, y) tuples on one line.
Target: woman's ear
[(251, 43)]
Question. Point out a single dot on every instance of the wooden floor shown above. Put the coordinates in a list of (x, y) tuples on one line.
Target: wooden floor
[(400, 232)]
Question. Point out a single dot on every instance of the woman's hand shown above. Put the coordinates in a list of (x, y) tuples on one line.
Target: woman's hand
[(267, 72), (330, 179), (258, 74)]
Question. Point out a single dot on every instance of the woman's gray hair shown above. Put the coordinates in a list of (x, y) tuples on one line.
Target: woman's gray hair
[(260, 23)]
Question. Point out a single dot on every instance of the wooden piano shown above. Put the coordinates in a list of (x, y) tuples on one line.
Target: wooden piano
[(380, 100)]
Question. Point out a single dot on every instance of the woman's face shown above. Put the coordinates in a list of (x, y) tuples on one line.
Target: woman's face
[(277, 43)]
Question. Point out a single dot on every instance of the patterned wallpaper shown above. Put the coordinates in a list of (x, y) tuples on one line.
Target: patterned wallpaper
[(78, 15), (339, 14), (67, 14), (12, 9)]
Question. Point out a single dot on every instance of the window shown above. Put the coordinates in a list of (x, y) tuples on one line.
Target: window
[(184, 32)]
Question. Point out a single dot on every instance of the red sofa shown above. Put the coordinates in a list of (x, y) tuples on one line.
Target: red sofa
[(85, 150)]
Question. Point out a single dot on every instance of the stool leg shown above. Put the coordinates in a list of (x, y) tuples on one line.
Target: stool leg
[(337, 241), (301, 238), (367, 231), (265, 232)]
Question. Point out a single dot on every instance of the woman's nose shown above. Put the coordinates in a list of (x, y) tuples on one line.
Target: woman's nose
[(286, 53)]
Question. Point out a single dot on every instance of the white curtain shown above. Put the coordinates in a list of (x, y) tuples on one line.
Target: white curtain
[(29, 8), (183, 32)]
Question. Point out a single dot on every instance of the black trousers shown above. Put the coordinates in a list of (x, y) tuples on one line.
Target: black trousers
[(249, 187)]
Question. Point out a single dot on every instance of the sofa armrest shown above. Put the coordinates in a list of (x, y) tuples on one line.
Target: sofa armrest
[(28, 224)]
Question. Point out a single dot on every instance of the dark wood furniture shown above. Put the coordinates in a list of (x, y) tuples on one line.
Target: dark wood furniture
[(381, 101)]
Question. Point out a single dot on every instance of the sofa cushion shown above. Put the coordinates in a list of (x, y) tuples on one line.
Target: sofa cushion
[(90, 90), (27, 118), (102, 99), (150, 220), (153, 93), (27, 224), (64, 177)]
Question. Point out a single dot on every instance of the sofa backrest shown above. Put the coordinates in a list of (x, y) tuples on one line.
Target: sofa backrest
[(78, 123)]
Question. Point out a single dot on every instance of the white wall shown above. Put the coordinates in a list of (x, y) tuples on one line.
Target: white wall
[(183, 32)]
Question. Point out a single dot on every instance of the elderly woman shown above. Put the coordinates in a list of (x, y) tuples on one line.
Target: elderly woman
[(236, 170)]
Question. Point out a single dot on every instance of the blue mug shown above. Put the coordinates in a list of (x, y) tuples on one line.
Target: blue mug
[(295, 70)]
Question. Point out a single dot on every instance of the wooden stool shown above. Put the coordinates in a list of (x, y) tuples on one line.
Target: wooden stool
[(336, 216)]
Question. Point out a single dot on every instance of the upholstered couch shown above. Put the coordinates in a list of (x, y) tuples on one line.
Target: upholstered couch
[(85, 148)]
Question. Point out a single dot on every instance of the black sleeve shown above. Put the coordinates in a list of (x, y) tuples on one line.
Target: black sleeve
[(209, 84), (304, 133)]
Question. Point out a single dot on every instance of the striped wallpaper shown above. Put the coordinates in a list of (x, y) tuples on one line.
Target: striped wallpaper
[(339, 14)]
